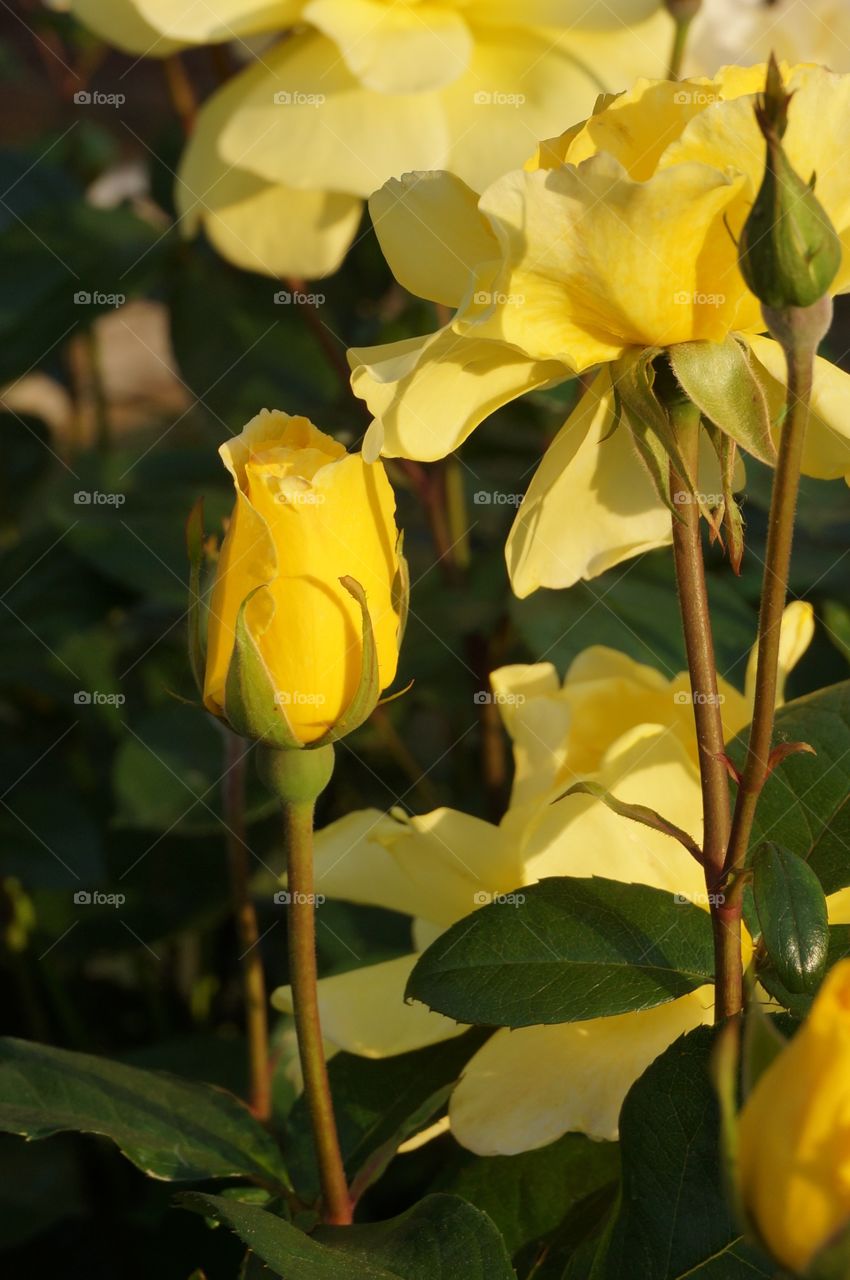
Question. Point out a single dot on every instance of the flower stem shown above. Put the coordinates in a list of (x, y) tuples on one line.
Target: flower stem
[(799, 356), (702, 668), (253, 977), (683, 13), (301, 916)]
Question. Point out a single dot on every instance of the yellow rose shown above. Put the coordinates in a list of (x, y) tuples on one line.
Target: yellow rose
[(616, 239), (620, 724), (795, 1133), (307, 514), (357, 91)]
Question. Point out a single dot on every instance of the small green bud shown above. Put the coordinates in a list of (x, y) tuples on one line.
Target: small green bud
[(789, 252)]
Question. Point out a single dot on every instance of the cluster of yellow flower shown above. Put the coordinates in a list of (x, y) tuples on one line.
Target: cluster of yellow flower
[(615, 244)]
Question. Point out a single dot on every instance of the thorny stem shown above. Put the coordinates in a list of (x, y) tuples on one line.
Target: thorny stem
[(253, 977), (783, 506), (702, 667), (303, 977)]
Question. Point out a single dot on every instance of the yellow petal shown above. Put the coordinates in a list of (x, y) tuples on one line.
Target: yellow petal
[(580, 836), (598, 14), (304, 120), (122, 23), (363, 1011), (590, 504), (207, 21), (596, 263), (523, 85), (826, 452), (428, 394), (796, 634), (354, 861), (395, 48), (526, 1088), (838, 907), (259, 226), (431, 234)]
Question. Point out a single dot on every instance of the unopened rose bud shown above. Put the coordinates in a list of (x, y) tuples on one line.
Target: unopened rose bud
[(789, 252)]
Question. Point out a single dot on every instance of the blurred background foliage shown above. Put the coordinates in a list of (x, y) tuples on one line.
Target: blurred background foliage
[(121, 793)]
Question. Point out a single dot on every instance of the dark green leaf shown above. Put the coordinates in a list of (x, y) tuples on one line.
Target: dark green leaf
[(170, 1128), (529, 1195), (378, 1104), (791, 909), (804, 804), (565, 950), (441, 1238), (675, 1220)]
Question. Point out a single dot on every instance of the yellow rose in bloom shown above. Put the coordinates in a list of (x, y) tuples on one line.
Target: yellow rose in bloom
[(340, 95), (616, 239), (795, 1133), (747, 31), (614, 721), (307, 514)]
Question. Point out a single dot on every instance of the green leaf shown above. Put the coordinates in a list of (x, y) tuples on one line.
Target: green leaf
[(720, 378), (378, 1104), (804, 803), (441, 1238), (170, 1128), (637, 813), (529, 1195), (791, 908), (565, 950), (675, 1219)]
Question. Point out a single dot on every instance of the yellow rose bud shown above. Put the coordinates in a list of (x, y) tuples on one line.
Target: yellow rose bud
[(307, 515), (795, 1133)]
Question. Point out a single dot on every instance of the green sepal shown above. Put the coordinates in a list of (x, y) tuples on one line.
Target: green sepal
[(401, 589), (250, 698), (637, 813), (369, 689), (196, 628), (724, 1071), (720, 379), (792, 912), (732, 516), (762, 1042)]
